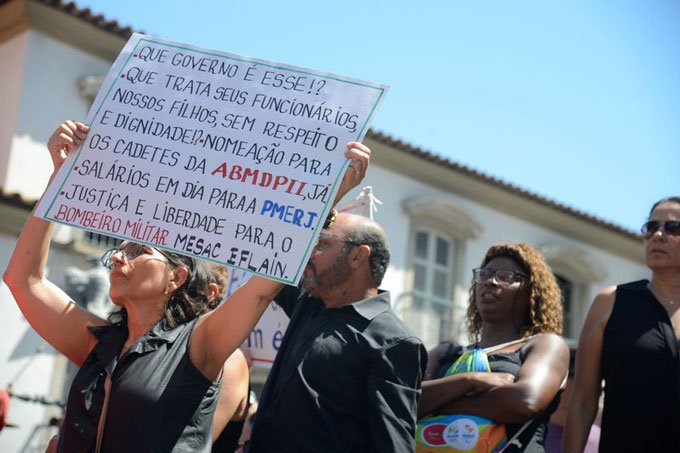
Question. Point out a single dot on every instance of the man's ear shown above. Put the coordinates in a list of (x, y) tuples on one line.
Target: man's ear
[(360, 255)]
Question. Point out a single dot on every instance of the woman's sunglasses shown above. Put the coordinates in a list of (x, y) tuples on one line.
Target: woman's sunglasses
[(130, 251), (670, 227)]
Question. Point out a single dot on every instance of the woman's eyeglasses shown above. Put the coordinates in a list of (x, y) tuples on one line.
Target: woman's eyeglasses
[(670, 227), (502, 277), (130, 251)]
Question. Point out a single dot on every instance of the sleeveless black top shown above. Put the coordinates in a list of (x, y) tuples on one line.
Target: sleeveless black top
[(641, 369), (159, 402), (532, 438), (228, 438)]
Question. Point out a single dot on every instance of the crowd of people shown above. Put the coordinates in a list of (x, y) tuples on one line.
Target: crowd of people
[(165, 373)]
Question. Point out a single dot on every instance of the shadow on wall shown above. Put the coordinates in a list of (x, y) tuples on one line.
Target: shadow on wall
[(30, 344)]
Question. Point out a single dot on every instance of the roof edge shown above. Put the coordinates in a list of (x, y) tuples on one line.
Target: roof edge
[(513, 189)]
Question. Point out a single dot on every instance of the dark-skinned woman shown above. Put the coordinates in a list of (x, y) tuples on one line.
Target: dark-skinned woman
[(514, 311)]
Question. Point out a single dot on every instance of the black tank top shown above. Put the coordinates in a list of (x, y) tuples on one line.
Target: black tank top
[(641, 370), (159, 402), (228, 438), (532, 438)]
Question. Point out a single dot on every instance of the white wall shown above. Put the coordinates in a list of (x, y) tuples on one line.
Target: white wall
[(19, 349), (49, 95), (12, 55)]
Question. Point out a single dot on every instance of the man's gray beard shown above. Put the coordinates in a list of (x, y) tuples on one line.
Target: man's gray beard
[(329, 279)]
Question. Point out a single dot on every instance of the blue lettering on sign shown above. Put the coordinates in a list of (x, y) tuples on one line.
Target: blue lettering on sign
[(288, 214)]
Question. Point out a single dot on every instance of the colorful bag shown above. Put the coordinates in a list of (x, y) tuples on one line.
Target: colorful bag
[(460, 433)]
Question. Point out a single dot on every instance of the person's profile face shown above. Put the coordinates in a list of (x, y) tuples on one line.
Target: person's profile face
[(662, 239), (136, 270), (501, 290), (327, 267)]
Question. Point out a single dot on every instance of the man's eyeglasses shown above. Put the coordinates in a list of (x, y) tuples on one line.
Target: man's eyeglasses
[(670, 227), (502, 277), (130, 251), (324, 239)]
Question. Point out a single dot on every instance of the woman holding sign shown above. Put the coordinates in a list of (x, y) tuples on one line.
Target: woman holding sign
[(505, 385), (149, 375)]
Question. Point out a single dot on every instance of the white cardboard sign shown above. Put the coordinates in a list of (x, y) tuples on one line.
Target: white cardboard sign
[(222, 157)]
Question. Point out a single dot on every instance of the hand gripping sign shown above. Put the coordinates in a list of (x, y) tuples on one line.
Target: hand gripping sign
[(222, 157)]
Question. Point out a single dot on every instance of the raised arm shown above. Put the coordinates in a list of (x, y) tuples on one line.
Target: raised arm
[(50, 311), (583, 403), (218, 333), (537, 383)]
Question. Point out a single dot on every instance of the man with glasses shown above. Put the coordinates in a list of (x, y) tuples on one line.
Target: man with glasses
[(347, 376)]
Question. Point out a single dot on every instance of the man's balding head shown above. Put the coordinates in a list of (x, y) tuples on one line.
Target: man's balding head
[(364, 231)]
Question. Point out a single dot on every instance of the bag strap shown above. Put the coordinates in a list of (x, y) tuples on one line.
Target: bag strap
[(515, 439), (498, 347), (102, 416)]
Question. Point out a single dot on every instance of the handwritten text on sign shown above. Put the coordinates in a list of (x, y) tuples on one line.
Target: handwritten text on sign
[(214, 155)]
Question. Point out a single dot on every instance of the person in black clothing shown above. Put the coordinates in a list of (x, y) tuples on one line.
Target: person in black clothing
[(141, 385), (347, 375), (631, 340), (514, 309), (244, 440)]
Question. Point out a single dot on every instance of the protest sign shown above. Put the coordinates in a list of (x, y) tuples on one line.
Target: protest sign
[(218, 156)]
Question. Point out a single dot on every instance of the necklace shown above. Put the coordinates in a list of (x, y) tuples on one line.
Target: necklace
[(666, 301), (659, 298)]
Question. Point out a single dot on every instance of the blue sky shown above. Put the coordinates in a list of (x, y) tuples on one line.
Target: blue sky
[(577, 101)]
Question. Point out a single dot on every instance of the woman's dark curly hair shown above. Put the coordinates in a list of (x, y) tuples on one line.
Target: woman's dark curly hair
[(189, 301), (545, 296)]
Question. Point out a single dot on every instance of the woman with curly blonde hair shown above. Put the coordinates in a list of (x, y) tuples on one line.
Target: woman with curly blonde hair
[(515, 316)]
